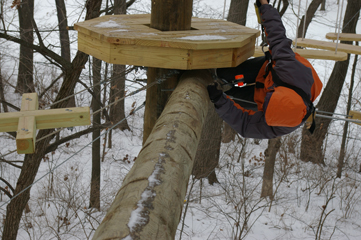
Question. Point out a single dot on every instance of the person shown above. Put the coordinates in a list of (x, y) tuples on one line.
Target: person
[(279, 88)]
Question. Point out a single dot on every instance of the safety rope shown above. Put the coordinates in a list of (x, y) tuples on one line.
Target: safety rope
[(298, 22), (339, 28), (57, 166)]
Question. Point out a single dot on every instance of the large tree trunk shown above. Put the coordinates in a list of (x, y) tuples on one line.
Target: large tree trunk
[(207, 156), (153, 192), (311, 146), (31, 163), (238, 11), (270, 153), (64, 38), (165, 16), (95, 177), (311, 10), (118, 81), (25, 83)]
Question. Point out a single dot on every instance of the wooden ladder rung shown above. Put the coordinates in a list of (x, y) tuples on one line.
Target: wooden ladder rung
[(344, 36), (347, 48)]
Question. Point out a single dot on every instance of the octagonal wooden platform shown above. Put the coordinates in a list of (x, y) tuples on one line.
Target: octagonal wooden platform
[(128, 40)]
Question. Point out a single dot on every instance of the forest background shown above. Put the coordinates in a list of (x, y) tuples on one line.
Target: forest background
[(310, 190)]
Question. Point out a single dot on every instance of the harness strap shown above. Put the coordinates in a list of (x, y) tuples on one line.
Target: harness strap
[(299, 91)]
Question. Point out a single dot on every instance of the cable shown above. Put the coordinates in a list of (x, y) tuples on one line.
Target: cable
[(52, 170)]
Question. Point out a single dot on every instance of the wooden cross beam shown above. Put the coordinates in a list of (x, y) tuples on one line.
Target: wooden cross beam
[(355, 115), (29, 119)]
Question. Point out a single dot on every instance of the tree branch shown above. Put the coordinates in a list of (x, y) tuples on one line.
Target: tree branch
[(52, 147), (40, 49), (6, 192), (8, 184), (9, 162)]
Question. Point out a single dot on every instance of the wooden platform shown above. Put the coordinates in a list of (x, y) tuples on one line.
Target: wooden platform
[(128, 40), (347, 48), (310, 54), (344, 36)]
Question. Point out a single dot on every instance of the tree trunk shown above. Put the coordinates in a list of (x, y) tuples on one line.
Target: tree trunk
[(311, 10), (64, 38), (118, 81), (238, 12), (31, 163), (165, 16), (228, 134), (2, 94), (95, 177), (25, 83), (270, 153), (311, 146), (285, 5), (153, 191), (341, 158), (323, 5), (207, 156)]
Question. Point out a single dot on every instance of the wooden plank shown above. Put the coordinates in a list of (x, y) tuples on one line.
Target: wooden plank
[(311, 54), (344, 36), (26, 135), (329, 46), (46, 119), (355, 115), (26, 131), (214, 58), (170, 58), (242, 54), (94, 47)]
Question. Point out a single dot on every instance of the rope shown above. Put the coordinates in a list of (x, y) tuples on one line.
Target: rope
[(224, 9), (339, 28), (52, 170), (158, 81), (298, 22)]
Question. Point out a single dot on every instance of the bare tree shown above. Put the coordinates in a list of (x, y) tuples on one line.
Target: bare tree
[(238, 12), (310, 13), (25, 81), (117, 90), (311, 146), (31, 162), (95, 177)]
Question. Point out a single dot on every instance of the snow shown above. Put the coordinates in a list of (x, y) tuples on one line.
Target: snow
[(203, 37), (108, 24)]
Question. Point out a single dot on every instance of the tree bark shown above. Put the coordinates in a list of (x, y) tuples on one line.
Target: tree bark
[(31, 163), (323, 5), (154, 189), (270, 153), (2, 94), (118, 81), (95, 177), (311, 145), (207, 156), (64, 38), (165, 16), (238, 12), (25, 83), (311, 10), (341, 158)]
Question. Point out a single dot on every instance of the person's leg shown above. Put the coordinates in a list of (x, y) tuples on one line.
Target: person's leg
[(249, 69)]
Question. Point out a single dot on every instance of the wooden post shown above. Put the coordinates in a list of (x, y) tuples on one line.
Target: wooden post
[(150, 201), (165, 16)]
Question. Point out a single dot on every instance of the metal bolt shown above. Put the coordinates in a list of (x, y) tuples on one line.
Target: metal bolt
[(69, 110), (26, 130), (29, 99)]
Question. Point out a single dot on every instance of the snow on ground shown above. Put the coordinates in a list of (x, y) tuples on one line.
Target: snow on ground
[(309, 202)]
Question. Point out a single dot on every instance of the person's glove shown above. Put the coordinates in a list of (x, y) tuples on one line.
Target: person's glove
[(258, 3), (214, 93)]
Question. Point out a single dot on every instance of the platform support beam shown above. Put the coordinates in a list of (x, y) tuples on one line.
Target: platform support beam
[(165, 16), (150, 200)]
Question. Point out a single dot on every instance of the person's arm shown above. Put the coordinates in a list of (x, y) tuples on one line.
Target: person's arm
[(287, 67)]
